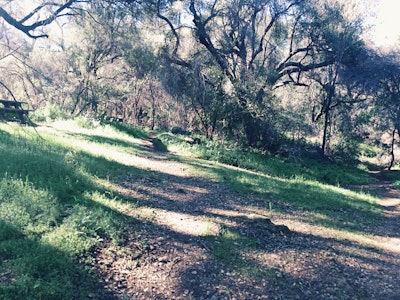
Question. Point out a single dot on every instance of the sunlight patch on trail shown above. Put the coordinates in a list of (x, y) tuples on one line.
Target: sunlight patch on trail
[(391, 206), (179, 222), (140, 162), (390, 244), (145, 159)]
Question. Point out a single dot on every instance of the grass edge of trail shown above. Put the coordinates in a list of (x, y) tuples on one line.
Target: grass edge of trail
[(85, 213)]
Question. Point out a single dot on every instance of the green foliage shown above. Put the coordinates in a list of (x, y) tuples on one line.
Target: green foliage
[(158, 145), (82, 229), (33, 270), (26, 208), (143, 60), (369, 151), (303, 193), (127, 129), (48, 113), (47, 166), (321, 170), (50, 215), (311, 185), (87, 122), (54, 211)]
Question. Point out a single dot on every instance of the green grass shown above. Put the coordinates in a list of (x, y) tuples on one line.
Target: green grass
[(321, 170), (32, 264), (229, 248), (54, 209), (306, 185), (127, 129), (397, 184), (283, 186), (50, 215)]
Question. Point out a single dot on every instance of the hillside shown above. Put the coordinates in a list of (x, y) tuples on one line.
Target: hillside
[(104, 211)]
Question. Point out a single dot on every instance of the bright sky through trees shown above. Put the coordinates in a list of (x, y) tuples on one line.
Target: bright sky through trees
[(386, 26), (381, 15)]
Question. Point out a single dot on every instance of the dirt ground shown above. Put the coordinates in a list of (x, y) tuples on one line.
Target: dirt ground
[(171, 251)]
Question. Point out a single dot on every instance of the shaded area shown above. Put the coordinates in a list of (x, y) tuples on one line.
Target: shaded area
[(51, 220), (243, 259), (43, 272), (141, 253), (337, 207)]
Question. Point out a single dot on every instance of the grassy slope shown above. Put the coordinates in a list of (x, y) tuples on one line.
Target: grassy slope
[(53, 209)]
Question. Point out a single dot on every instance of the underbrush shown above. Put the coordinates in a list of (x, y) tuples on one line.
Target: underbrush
[(318, 169), (31, 267)]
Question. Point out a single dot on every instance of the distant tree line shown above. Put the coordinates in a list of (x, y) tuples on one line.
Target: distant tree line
[(288, 76)]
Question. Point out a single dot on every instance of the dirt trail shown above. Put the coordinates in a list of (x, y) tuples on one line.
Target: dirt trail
[(389, 199), (172, 253), (389, 196)]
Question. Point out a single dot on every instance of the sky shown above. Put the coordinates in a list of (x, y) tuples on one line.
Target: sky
[(386, 24), (382, 15)]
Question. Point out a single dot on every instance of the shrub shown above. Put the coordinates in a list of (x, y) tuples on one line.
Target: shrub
[(158, 145)]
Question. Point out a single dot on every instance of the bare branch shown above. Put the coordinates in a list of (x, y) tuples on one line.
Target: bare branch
[(171, 26), (28, 29), (205, 40), (268, 28), (295, 67)]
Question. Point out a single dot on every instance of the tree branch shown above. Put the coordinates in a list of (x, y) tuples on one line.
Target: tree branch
[(27, 29), (296, 67), (205, 40), (171, 26)]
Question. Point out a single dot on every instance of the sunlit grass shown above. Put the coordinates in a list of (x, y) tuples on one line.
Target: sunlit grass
[(320, 170), (342, 208), (59, 196), (51, 202)]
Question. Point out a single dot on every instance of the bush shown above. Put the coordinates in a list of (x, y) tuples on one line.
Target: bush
[(158, 145), (179, 130), (48, 113)]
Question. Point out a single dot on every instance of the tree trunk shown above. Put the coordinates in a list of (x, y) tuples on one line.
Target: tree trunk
[(330, 92), (392, 158), (325, 135), (153, 106)]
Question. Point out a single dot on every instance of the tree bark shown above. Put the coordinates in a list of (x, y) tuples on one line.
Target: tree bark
[(392, 157), (325, 134)]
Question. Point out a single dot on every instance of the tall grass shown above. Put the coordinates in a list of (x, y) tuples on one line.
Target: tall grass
[(48, 217)]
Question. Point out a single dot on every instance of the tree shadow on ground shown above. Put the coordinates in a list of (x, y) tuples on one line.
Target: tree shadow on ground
[(337, 208), (236, 257), (246, 264), (242, 258), (43, 272), (31, 267)]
